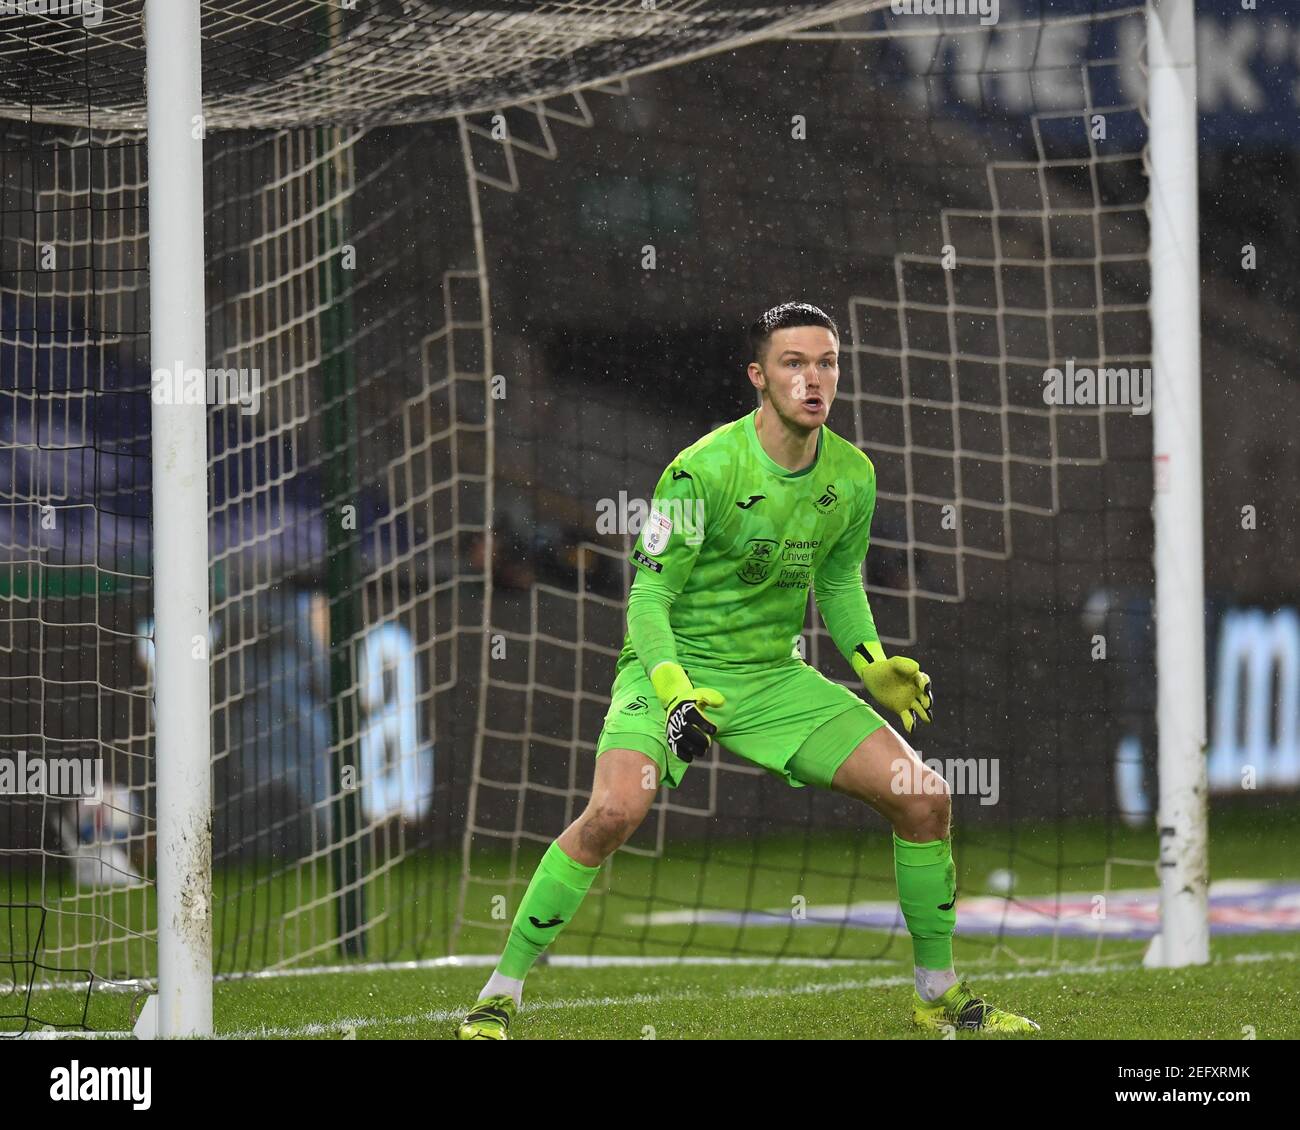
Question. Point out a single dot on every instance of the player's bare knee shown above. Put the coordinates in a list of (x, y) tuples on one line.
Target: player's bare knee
[(939, 794), (607, 824), (925, 811)]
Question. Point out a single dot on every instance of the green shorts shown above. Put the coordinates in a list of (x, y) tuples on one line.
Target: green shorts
[(789, 719)]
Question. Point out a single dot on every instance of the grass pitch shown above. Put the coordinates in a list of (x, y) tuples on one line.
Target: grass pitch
[(786, 980), (1253, 984)]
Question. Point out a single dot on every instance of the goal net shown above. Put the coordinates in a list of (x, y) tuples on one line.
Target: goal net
[(350, 153), (475, 273), (970, 202)]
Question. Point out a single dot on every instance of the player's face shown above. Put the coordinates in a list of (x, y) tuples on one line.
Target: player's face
[(800, 373)]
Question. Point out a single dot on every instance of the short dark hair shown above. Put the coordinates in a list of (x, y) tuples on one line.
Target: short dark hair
[(783, 317)]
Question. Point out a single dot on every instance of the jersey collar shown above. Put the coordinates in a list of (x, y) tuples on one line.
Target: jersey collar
[(770, 463)]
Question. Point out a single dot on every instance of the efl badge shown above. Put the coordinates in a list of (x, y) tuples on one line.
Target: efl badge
[(658, 528)]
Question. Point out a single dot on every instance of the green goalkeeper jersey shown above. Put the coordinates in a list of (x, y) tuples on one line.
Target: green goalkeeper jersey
[(733, 543)]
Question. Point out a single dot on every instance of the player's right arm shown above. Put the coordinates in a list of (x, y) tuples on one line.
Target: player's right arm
[(664, 556)]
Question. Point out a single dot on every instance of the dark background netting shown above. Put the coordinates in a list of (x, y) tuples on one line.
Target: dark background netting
[(608, 370)]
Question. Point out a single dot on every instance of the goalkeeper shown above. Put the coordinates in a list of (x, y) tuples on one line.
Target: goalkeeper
[(744, 522)]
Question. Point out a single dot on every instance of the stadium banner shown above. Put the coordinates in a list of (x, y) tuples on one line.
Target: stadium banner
[(1248, 66), (1255, 703)]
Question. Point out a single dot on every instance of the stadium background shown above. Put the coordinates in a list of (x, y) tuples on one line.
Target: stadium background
[(609, 368)]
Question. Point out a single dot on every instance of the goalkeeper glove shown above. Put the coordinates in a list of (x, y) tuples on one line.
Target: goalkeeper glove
[(688, 731), (898, 683)]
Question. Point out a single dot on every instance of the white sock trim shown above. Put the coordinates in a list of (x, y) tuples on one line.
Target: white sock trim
[(931, 984), (498, 984)]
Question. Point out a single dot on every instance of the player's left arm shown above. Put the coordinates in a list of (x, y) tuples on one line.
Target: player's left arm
[(897, 682)]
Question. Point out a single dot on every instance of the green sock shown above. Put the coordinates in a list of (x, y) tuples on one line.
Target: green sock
[(557, 889), (927, 884)]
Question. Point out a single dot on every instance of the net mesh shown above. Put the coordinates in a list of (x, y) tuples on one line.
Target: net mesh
[(416, 601), (270, 63), (974, 252)]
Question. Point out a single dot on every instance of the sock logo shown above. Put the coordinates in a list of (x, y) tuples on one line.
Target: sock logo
[(951, 902), (546, 925)]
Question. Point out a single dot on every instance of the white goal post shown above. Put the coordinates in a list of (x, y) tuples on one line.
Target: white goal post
[(1184, 937), (182, 704)]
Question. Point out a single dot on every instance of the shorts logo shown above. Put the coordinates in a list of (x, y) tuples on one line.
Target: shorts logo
[(658, 529), (759, 558), (636, 706), (649, 562), (828, 501)]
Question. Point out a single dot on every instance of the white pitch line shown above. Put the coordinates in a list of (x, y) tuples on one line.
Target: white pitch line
[(440, 1016), (559, 961), (467, 961)]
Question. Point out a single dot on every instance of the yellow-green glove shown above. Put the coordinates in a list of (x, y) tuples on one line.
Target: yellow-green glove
[(688, 731), (897, 683)]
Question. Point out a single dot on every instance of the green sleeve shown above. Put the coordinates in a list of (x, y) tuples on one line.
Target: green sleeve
[(664, 556), (648, 626), (837, 584)]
